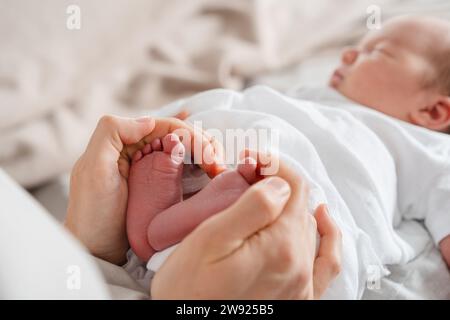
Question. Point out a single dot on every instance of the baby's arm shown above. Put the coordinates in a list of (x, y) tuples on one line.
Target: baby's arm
[(444, 245)]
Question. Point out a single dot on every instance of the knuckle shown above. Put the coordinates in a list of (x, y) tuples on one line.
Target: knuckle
[(262, 200), (264, 203), (287, 255), (302, 277), (335, 266), (107, 120)]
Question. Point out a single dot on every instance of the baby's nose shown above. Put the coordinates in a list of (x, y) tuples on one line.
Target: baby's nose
[(349, 56)]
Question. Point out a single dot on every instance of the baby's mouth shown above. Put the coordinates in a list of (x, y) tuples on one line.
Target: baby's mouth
[(336, 78)]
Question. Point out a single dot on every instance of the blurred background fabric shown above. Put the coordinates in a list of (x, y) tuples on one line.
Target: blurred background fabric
[(130, 57)]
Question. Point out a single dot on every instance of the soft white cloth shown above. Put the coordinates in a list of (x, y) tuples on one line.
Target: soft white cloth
[(158, 258), (39, 259), (371, 170), (421, 158), (425, 277)]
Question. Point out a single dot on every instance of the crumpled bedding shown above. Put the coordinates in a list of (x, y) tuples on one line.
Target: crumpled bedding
[(55, 83), (425, 278)]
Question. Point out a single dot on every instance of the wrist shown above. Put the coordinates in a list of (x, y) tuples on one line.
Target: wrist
[(116, 256)]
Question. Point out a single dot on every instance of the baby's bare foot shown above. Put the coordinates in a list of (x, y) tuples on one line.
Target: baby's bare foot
[(154, 185), (173, 224)]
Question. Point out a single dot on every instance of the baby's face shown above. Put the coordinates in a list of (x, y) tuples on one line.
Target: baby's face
[(387, 70)]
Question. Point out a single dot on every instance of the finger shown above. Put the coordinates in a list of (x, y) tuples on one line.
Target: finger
[(110, 136), (112, 133), (196, 142), (257, 208), (298, 201), (120, 131), (182, 115), (247, 169), (328, 261)]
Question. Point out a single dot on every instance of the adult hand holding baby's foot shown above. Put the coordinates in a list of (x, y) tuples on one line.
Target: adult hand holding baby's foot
[(262, 247), (98, 188), (156, 215)]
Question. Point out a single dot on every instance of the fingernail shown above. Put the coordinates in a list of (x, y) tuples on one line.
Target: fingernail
[(143, 119), (279, 186)]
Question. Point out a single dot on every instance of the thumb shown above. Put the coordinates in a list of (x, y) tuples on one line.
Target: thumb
[(117, 131), (328, 261), (111, 134), (256, 209)]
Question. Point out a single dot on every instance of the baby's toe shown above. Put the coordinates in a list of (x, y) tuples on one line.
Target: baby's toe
[(137, 156), (147, 149), (247, 168), (173, 146), (156, 145)]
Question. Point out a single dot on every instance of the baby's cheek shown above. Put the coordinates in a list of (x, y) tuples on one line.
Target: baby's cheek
[(373, 78), (367, 86), (362, 80), (370, 70)]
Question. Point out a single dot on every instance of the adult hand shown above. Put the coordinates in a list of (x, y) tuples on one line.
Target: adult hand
[(98, 185), (262, 247)]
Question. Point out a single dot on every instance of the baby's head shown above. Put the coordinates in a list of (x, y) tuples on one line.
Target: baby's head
[(402, 70)]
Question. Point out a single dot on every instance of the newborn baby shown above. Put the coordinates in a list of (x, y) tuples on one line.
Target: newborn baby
[(402, 71)]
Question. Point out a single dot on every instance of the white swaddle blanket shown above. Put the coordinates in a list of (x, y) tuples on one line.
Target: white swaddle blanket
[(348, 165)]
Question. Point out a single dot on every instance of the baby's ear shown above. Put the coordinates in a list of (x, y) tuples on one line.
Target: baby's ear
[(435, 117)]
